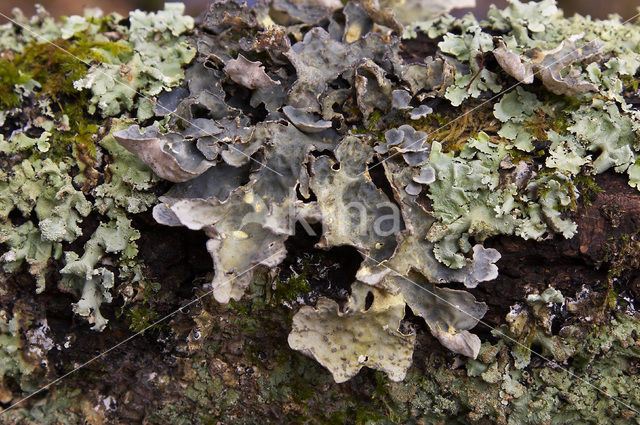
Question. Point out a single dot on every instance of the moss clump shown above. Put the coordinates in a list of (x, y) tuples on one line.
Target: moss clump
[(141, 318), (453, 127), (588, 188), (622, 254), (10, 77), (292, 288), (56, 65), (49, 71)]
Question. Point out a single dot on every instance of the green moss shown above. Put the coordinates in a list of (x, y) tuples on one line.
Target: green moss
[(453, 127), (560, 123), (55, 66), (622, 253), (517, 156), (290, 290), (238, 307), (141, 317), (588, 188), (630, 82), (10, 77), (58, 64), (82, 127), (373, 119)]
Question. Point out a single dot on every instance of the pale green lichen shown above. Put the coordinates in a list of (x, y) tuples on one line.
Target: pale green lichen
[(158, 49), (67, 169), (25, 341), (46, 190), (41, 27), (13, 363), (367, 334), (515, 109), (468, 48), (599, 127), (588, 134)]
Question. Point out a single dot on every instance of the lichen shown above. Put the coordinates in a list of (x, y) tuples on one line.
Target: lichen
[(483, 185), (368, 333), (311, 115), (157, 49), (65, 168)]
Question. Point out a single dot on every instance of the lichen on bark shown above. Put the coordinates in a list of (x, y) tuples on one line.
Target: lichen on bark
[(273, 122)]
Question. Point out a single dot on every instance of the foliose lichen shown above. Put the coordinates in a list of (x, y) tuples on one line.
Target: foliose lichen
[(283, 123), (62, 171), (314, 115)]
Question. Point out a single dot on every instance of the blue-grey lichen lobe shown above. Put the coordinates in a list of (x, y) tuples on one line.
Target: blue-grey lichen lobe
[(261, 119), (301, 143)]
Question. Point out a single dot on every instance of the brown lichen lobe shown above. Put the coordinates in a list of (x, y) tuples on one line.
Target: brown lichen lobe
[(547, 65), (249, 74)]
